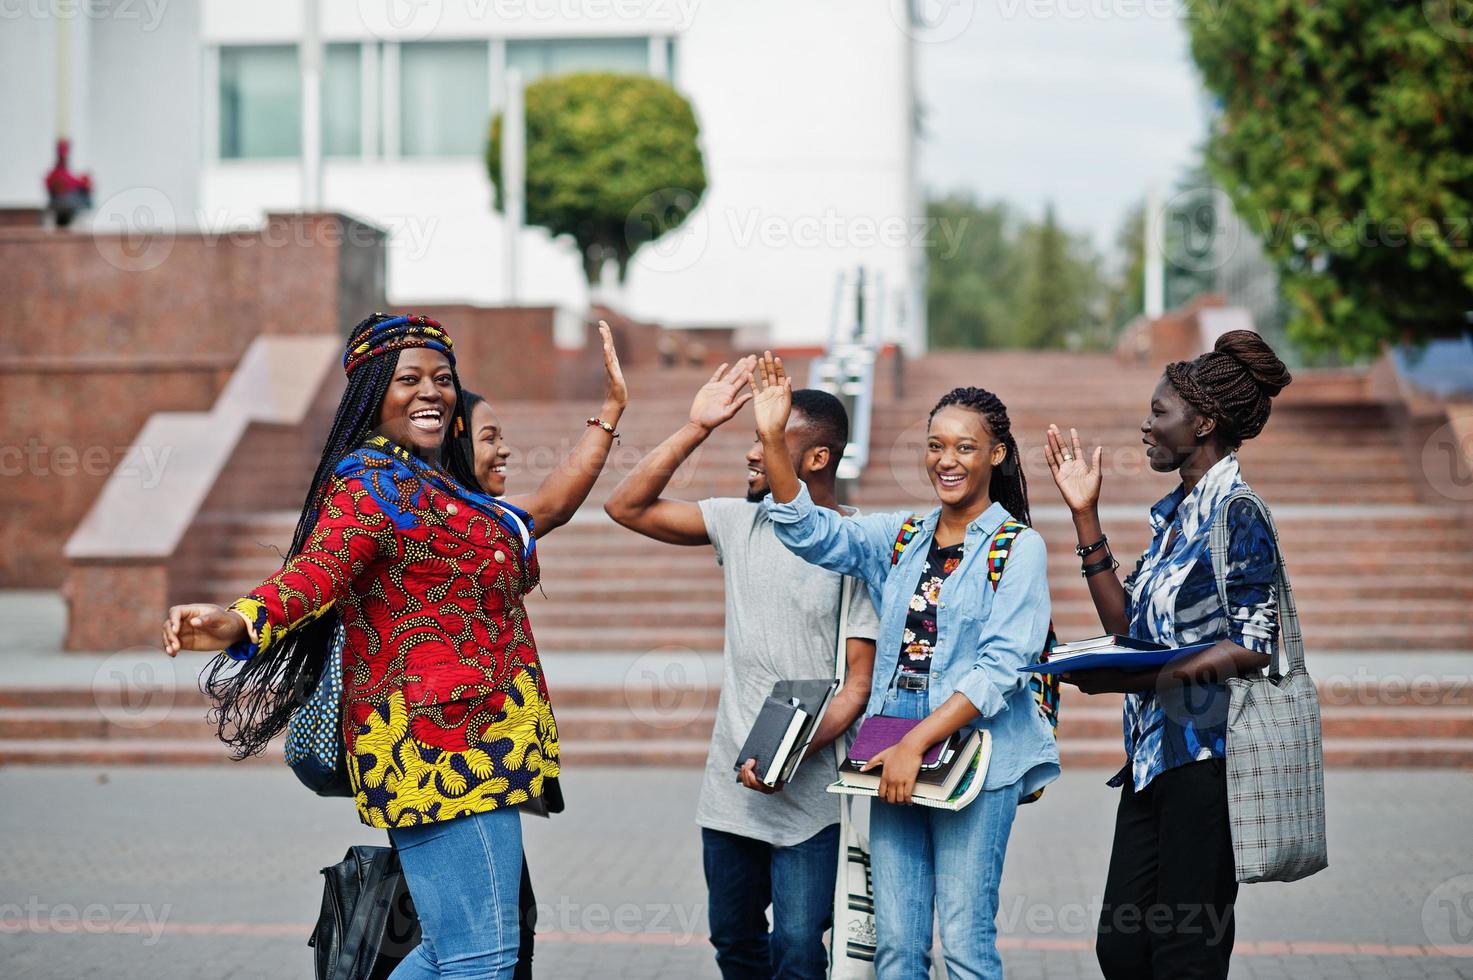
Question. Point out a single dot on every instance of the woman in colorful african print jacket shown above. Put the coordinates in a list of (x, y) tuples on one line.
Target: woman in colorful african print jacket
[(1169, 893), (447, 719)]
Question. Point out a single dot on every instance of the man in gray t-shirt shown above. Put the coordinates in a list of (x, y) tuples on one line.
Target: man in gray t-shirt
[(760, 847)]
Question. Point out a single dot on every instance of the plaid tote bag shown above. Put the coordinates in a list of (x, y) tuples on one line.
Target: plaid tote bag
[(1275, 769)]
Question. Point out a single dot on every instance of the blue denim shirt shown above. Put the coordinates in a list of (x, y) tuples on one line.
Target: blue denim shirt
[(982, 638)]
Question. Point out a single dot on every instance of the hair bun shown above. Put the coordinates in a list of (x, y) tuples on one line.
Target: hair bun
[(1257, 357)]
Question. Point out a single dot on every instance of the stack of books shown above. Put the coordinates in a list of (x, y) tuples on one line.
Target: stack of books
[(784, 728), (1110, 651), (951, 774)]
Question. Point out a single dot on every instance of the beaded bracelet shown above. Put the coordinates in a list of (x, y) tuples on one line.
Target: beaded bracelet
[(603, 425)]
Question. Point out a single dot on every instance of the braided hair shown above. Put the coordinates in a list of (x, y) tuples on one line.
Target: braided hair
[(1232, 384), (1008, 486), (254, 699)]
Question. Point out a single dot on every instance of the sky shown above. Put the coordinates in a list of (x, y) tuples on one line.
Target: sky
[(1080, 102)]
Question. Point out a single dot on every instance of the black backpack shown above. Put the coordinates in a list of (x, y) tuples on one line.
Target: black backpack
[(368, 923)]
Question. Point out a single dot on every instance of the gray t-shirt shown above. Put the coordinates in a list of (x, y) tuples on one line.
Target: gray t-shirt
[(782, 623)]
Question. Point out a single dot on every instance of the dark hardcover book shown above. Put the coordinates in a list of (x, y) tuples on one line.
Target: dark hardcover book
[(773, 736), (1109, 643), (813, 696)]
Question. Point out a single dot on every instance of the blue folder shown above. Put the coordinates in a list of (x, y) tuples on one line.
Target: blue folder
[(1120, 660)]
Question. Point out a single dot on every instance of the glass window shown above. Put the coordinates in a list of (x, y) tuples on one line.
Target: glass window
[(342, 101), (444, 99), (536, 59), (260, 102)]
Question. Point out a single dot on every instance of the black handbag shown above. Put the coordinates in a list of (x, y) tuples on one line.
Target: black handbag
[(368, 923)]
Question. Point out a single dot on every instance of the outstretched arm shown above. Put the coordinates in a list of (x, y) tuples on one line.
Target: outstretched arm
[(849, 545), (555, 502), (637, 503), (1078, 479)]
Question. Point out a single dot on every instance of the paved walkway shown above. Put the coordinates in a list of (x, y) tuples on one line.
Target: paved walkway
[(154, 874)]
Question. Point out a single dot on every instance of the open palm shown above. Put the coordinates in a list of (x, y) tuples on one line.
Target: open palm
[(618, 393), (1077, 476), (723, 396), (774, 399)]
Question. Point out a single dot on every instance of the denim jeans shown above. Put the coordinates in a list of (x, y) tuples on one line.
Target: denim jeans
[(743, 877), (923, 859), (464, 876)]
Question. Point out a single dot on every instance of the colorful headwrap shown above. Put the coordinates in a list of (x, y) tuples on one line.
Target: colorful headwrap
[(397, 333)]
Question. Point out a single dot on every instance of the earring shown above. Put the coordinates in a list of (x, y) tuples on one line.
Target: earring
[(459, 426)]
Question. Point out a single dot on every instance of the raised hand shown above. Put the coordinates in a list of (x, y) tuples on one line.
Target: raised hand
[(618, 393), (722, 397), (1077, 476), (202, 626), (774, 400)]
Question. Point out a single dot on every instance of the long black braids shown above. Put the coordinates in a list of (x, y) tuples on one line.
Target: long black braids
[(254, 699), (1009, 485)]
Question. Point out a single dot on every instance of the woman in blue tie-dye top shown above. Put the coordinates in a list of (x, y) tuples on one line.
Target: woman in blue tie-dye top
[(1169, 893)]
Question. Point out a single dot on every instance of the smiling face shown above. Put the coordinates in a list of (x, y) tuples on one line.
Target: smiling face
[(1173, 432), (490, 448), (795, 439), (960, 456), (418, 407)]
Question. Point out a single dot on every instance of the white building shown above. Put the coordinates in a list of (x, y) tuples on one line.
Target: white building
[(189, 113)]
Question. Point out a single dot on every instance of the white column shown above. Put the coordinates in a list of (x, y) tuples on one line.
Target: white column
[(1155, 284), (309, 53), (659, 58), (389, 75), (513, 180), (369, 105)]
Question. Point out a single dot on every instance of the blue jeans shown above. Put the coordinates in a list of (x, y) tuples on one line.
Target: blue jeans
[(464, 876), (924, 858), (743, 877)]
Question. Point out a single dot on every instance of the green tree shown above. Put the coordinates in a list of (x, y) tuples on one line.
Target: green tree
[(1057, 298), (1343, 141), (613, 161), (971, 269), (1125, 293)]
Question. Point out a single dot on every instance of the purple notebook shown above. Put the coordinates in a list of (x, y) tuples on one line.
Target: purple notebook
[(879, 732)]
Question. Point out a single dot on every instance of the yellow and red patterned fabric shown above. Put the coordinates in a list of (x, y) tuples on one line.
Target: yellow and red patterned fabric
[(447, 712)]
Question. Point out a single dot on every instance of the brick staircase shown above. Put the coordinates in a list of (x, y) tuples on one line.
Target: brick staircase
[(1331, 470)]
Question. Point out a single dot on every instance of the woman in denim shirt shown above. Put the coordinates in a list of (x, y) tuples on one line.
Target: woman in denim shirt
[(958, 669), (1169, 894)]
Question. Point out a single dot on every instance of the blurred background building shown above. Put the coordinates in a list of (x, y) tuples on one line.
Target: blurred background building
[(189, 113)]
